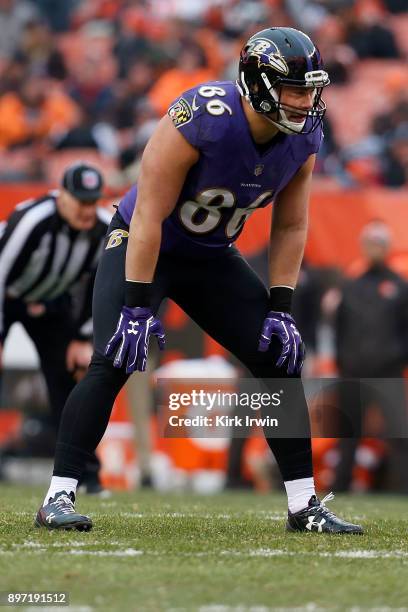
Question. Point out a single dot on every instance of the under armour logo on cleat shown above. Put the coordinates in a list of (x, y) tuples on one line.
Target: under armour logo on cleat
[(50, 517), (316, 524), (132, 330)]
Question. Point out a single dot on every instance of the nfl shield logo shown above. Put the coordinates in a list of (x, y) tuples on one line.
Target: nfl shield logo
[(90, 179), (259, 169)]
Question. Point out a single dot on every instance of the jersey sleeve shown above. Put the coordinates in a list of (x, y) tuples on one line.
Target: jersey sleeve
[(201, 114)]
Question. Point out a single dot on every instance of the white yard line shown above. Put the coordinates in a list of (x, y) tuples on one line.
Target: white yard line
[(90, 547), (344, 554), (30, 544), (239, 515), (128, 552), (80, 548)]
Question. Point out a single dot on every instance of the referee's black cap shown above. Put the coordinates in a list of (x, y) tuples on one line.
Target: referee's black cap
[(83, 181)]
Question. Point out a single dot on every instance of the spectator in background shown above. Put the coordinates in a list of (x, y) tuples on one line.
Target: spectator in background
[(57, 12), (383, 147), (394, 161), (81, 136), (35, 112), (14, 15), (367, 34), (371, 342), (306, 307), (339, 57), (327, 158), (14, 73), (242, 15), (89, 135), (132, 45), (386, 123), (39, 52), (308, 14), (145, 121), (191, 70), (85, 11), (130, 92), (396, 6), (91, 92), (175, 36)]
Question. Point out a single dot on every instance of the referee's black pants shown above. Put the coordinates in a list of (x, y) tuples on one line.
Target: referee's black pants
[(51, 333), (224, 296)]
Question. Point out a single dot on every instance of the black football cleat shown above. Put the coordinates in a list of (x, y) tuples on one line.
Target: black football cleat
[(60, 513), (316, 517)]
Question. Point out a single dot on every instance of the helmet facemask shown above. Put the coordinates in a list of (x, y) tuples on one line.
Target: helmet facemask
[(265, 99)]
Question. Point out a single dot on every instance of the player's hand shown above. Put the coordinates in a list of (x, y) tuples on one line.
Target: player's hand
[(131, 338), (282, 324), (78, 357)]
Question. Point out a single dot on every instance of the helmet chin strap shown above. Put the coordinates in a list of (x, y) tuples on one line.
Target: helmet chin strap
[(284, 124)]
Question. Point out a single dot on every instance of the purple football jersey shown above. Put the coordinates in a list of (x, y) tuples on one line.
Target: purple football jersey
[(232, 177)]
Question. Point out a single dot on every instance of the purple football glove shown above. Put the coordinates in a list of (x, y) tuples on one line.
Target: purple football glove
[(281, 324), (131, 338)]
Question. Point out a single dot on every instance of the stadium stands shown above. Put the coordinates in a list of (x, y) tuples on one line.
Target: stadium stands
[(100, 40)]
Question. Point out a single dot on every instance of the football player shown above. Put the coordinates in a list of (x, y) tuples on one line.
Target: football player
[(223, 150)]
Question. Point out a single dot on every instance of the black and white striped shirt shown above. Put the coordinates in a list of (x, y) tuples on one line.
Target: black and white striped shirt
[(42, 257)]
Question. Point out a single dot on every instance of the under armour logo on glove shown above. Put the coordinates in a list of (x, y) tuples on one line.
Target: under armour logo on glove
[(282, 324), (132, 330), (131, 338)]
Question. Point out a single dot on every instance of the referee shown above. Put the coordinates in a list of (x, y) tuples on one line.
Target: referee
[(49, 250)]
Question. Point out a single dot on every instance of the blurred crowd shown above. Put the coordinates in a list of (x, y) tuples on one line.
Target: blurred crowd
[(98, 74)]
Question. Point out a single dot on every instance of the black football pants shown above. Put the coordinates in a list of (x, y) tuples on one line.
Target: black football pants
[(51, 333), (223, 295)]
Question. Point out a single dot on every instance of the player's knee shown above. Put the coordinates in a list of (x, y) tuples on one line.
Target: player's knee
[(102, 366)]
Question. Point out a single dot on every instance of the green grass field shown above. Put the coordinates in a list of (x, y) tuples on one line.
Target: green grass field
[(227, 553)]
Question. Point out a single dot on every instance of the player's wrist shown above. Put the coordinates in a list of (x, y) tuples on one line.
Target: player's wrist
[(138, 294), (280, 298)]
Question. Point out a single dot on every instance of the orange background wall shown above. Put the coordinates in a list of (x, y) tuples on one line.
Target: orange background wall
[(336, 219)]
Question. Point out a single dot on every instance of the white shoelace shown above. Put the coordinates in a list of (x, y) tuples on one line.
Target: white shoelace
[(325, 499), (64, 504)]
